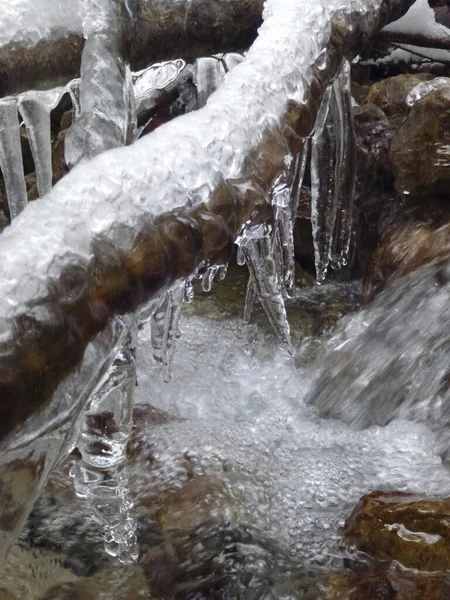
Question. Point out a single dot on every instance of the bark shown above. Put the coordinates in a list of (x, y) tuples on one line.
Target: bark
[(189, 28), (413, 39), (110, 236)]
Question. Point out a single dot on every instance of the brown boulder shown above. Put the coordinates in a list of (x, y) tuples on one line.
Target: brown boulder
[(390, 94), (420, 148), (384, 585), (403, 250), (412, 530)]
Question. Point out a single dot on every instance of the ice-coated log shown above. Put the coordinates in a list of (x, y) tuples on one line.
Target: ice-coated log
[(105, 240), (41, 41)]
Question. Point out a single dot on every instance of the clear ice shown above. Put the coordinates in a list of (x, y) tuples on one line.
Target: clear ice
[(345, 175), (164, 326), (35, 108), (101, 475), (11, 157), (108, 112), (256, 245), (208, 75), (333, 171)]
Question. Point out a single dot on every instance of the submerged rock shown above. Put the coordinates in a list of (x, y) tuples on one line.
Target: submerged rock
[(397, 526), (420, 148), (384, 585)]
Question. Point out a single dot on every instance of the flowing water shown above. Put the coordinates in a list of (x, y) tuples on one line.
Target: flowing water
[(238, 486)]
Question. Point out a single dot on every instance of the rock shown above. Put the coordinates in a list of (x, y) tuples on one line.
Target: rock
[(384, 585), (390, 94), (369, 114), (412, 530), (198, 501), (420, 148), (5, 595), (403, 250)]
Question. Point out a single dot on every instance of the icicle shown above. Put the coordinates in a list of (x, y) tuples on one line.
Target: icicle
[(240, 257), (208, 75), (208, 278), (101, 475), (345, 174), (231, 60), (11, 157), (221, 272), (283, 240), (300, 166), (149, 82), (164, 326), (250, 298), (188, 292), (323, 206), (256, 244), (35, 108), (73, 87)]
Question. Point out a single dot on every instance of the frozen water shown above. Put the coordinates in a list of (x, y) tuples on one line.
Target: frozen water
[(11, 157), (422, 90), (345, 170), (35, 108), (333, 170), (25, 21), (323, 200), (208, 74), (266, 278), (193, 152), (108, 112)]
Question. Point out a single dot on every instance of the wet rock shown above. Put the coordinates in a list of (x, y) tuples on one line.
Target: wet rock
[(198, 501), (403, 250), (359, 92), (397, 526), (5, 595), (420, 148), (390, 94), (374, 133), (384, 585), (121, 582), (369, 114)]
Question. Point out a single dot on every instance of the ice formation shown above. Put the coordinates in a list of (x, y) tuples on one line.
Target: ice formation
[(35, 109), (11, 157), (107, 116), (333, 172), (22, 20)]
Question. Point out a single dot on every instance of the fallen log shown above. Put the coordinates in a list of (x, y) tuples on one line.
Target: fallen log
[(160, 31)]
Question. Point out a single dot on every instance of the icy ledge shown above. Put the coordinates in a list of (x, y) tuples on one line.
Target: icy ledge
[(95, 246)]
